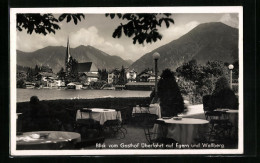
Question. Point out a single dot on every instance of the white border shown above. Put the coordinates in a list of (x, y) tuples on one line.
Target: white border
[(99, 10)]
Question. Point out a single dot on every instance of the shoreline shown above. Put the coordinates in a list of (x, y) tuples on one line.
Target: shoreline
[(23, 95)]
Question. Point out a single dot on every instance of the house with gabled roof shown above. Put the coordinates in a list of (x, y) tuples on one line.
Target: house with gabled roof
[(87, 67)]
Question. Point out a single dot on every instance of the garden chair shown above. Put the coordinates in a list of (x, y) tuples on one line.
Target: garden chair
[(85, 125), (116, 126), (220, 126), (158, 136)]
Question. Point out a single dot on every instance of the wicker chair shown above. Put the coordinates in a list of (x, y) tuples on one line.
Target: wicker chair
[(158, 136), (84, 124)]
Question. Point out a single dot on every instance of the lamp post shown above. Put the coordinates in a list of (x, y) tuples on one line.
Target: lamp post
[(230, 67), (156, 56)]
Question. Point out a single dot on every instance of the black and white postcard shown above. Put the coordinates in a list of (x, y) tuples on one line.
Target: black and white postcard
[(126, 81)]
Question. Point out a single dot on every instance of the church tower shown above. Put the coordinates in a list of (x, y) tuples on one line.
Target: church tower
[(67, 57)]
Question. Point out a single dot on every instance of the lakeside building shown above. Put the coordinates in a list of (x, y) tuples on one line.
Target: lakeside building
[(145, 75), (114, 75), (152, 79), (74, 85), (131, 75)]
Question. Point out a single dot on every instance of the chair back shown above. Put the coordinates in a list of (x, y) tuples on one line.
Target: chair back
[(88, 111), (207, 103), (147, 124)]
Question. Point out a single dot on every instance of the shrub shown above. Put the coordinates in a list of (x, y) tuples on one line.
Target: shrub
[(171, 101), (223, 96), (222, 83)]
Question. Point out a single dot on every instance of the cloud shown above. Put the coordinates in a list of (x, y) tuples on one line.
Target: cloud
[(90, 36), (28, 43), (230, 19), (175, 32)]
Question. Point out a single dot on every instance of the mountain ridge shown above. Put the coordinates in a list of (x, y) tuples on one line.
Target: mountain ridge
[(54, 56), (205, 42)]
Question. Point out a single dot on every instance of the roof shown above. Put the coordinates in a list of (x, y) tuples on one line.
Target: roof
[(144, 73), (153, 78), (128, 70), (87, 67), (91, 75), (74, 83)]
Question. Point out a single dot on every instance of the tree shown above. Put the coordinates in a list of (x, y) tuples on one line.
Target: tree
[(61, 74), (192, 71), (103, 74), (141, 27), (29, 74), (43, 23), (171, 100), (122, 77), (72, 70), (20, 83)]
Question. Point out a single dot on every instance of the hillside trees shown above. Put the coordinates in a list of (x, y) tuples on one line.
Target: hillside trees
[(140, 27), (197, 80)]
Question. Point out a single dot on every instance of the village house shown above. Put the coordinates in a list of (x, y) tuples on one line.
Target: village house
[(113, 76), (131, 75), (145, 75)]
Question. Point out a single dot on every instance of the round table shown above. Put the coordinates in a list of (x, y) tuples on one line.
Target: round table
[(47, 140), (100, 114), (186, 130)]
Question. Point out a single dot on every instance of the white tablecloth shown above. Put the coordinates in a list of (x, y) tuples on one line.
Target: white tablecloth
[(184, 131), (153, 109), (101, 115)]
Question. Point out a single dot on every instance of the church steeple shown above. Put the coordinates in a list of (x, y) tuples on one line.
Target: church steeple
[(67, 53)]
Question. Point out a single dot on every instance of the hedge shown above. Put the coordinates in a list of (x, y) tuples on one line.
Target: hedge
[(65, 110)]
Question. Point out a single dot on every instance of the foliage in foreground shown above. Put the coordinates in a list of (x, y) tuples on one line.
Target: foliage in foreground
[(140, 27)]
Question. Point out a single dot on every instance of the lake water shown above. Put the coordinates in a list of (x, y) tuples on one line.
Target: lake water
[(52, 94)]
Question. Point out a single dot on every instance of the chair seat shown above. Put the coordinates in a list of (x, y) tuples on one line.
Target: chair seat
[(89, 123), (219, 121), (112, 122)]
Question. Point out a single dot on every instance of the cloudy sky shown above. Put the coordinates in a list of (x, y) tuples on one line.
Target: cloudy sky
[(96, 30)]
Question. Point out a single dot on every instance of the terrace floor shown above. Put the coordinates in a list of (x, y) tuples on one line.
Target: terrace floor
[(135, 134)]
